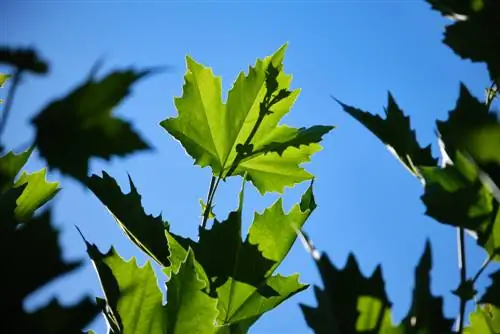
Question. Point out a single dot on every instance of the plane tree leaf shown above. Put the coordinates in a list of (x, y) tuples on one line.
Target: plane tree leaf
[(426, 311), (71, 130), (454, 195), (35, 242), (484, 320), (244, 131), (468, 115), (133, 299), (37, 192), (200, 313), (340, 308), (395, 132), (23, 60), (10, 166), (475, 32), (242, 278), (146, 231), (492, 294)]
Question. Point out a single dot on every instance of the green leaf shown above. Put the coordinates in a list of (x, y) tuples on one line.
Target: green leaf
[(469, 114), (475, 38), (189, 309), (484, 320), (492, 294), (10, 166), (242, 278), (37, 192), (454, 195), (426, 312), (146, 231), (23, 60), (4, 77), (85, 126), (33, 258), (395, 131), (221, 129), (338, 302), (133, 298)]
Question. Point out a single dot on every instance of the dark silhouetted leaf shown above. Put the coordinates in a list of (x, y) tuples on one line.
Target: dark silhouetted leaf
[(23, 60), (475, 34), (33, 257), (395, 131), (492, 295), (146, 231), (344, 303), (426, 312), (71, 130)]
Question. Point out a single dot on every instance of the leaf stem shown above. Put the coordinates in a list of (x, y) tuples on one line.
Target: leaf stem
[(483, 267), (9, 100), (463, 275), (208, 203)]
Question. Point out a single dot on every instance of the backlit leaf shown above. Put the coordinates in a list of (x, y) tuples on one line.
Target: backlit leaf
[(37, 192), (221, 128), (23, 60), (10, 166), (484, 320), (492, 294)]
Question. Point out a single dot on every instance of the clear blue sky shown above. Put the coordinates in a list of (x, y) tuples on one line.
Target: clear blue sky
[(355, 50)]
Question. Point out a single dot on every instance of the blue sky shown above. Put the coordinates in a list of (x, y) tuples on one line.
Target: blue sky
[(355, 50)]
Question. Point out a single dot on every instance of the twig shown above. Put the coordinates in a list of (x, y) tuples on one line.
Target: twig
[(463, 275)]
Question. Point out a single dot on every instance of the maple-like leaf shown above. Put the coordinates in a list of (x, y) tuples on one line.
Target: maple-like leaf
[(71, 130), (344, 302), (32, 258), (492, 294), (454, 195), (10, 166), (215, 134), (242, 278), (23, 60), (146, 231), (134, 302), (475, 34), (426, 312), (38, 191), (395, 131), (484, 320)]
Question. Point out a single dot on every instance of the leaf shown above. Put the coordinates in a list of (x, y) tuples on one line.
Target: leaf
[(454, 195), (85, 126), (484, 320), (4, 77), (338, 302), (55, 318), (462, 7), (469, 114), (146, 231), (426, 312), (37, 192), (133, 298), (492, 294), (475, 38), (33, 259), (395, 131), (23, 60), (242, 278), (10, 166), (189, 310), (221, 129)]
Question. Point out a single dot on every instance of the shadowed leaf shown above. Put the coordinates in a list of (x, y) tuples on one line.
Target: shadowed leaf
[(85, 126)]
